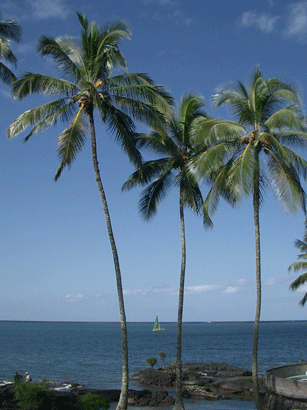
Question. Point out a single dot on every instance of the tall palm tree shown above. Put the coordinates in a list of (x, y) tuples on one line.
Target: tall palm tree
[(90, 86), (174, 142), (300, 266), (257, 152), (9, 30)]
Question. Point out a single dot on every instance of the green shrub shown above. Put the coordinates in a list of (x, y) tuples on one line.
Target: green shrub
[(151, 361), (162, 356), (93, 401), (31, 396)]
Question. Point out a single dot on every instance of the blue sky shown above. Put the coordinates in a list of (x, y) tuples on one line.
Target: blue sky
[(56, 261)]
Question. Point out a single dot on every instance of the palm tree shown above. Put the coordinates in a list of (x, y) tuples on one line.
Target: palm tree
[(9, 30), (257, 152), (300, 266), (175, 143), (90, 86)]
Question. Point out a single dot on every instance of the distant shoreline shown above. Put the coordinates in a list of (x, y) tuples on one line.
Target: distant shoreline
[(164, 322)]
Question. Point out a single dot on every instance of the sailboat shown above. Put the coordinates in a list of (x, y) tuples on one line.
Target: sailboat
[(157, 327)]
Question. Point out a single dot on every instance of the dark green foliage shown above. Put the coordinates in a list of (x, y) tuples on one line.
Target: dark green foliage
[(9, 30), (301, 265), (151, 361), (31, 396), (93, 401), (162, 356)]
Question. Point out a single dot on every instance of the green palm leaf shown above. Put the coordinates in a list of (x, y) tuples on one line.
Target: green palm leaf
[(41, 117), (36, 83), (65, 54), (9, 30), (71, 141), (6, 74)]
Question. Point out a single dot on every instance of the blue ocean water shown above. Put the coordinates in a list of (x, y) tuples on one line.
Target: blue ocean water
[(90, 353)]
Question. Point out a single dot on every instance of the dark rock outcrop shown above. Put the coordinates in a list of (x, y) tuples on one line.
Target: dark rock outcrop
[(208, 381)]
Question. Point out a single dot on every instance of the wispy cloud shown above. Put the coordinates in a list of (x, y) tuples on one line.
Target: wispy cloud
[(150, 292), (231, 289), (80, 298), (275, 281), (296, 26), (292, 23), (189, 290), (201, 288), (43, 9), (262, 21), (170, 10)]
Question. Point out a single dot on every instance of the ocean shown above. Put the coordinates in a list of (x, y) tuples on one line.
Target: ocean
[(90, 353)]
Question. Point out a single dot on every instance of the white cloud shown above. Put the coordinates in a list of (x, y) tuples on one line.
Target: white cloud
[(80, 297), (275, 281), (231, 289), (263, 21), (171, 291), (201, 288), (150, 292), (43, 9), (170, 10), (297, 23)]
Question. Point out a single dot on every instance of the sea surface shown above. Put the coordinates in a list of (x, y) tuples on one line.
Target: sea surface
[(90, 353)]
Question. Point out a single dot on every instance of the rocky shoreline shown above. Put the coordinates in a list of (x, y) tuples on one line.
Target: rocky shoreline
[(207, 381), (203, 381)]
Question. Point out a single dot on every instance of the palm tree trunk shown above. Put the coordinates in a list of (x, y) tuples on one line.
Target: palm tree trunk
[(123, 400), (178, 399), (256, 203)]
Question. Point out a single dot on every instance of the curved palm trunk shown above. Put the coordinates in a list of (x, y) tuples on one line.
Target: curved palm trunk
[(123, 400), (256, 202), (178, 399)]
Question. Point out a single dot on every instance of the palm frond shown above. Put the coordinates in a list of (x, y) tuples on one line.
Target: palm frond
[(297, 266), (66, 54), (218, 190), (287, 156), (286, 183), (286, 118), (153, 194), (6, 52), (71, 141), (208, 162), (191, 196), (141, 87), (214, 130), (146, 173), (160, 143), (41, 117), (123, 128), (10, 29), (302, 246), (36, 83), (83, 21), (6, 74), (301, 280), (292, 138), (241, 173)]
